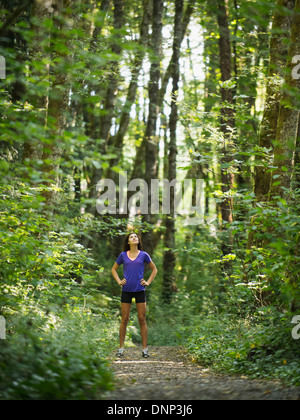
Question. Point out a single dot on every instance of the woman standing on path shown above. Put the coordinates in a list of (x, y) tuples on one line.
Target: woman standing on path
[(133, 259)]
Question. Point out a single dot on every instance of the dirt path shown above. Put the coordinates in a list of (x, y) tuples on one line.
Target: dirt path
[(170, 374)]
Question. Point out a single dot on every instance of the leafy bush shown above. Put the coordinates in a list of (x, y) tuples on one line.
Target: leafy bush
[(60, 359), (55, 346), (260, 347)]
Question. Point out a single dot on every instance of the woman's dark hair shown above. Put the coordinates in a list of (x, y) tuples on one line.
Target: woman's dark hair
[(126, 246)]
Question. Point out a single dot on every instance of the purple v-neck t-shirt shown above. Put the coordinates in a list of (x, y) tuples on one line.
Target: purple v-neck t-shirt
[(133, 270)]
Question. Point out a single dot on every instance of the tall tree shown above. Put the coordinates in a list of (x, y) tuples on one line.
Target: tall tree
[(112, 89), (296, 173), (279, 43), (169, 241), (227, 117), (287, 124), (103, 127), (151, 139), (117, 140), (168, 72), (57, 100)]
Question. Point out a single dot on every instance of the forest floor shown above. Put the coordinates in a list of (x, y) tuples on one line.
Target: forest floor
[(171, 374)]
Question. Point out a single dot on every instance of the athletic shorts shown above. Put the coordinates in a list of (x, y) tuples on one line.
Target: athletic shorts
[(140, 297)]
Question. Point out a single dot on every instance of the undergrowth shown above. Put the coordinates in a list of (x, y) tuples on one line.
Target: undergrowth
[(57, 358), (260, 346)]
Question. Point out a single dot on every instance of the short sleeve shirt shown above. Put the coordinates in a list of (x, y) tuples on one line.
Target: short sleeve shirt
[(133, 270)]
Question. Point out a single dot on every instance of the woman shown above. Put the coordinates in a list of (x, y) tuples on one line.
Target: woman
[(133, 259)]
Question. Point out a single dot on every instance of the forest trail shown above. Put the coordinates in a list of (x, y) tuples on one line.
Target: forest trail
[(171, 374)]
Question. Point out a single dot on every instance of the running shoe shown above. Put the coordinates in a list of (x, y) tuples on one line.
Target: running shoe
[(121, 353), (145, 353)]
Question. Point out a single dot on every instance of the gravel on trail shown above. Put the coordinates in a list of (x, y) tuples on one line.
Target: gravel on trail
[(171, 374)]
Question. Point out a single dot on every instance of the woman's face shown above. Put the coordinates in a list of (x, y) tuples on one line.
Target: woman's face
[(133, 239)]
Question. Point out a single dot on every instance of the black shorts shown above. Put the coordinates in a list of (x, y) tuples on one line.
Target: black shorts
[(140, 297)]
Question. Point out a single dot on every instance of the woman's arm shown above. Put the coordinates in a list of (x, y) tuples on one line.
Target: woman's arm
[(152, 275), (116, 276)]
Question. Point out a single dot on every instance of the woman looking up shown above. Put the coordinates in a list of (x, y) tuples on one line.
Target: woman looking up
[(133, 284)]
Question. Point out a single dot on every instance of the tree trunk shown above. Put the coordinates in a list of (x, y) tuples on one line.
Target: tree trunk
[(169, 240), (168, 73), (296, 174), (33, 148), (117, 140), (98, 28), (287, 125), (227, 120), (112, 90), (57, 105), (151, 139), (281, 27), (110, 99)]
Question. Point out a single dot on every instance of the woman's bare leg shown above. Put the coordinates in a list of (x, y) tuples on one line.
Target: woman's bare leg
[(141, 309), (125, 312)]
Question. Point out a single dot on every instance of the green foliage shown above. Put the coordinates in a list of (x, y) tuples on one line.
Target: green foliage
[(55, 347), (260, 346), (267, 261), (56, 358), (36, 258)]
